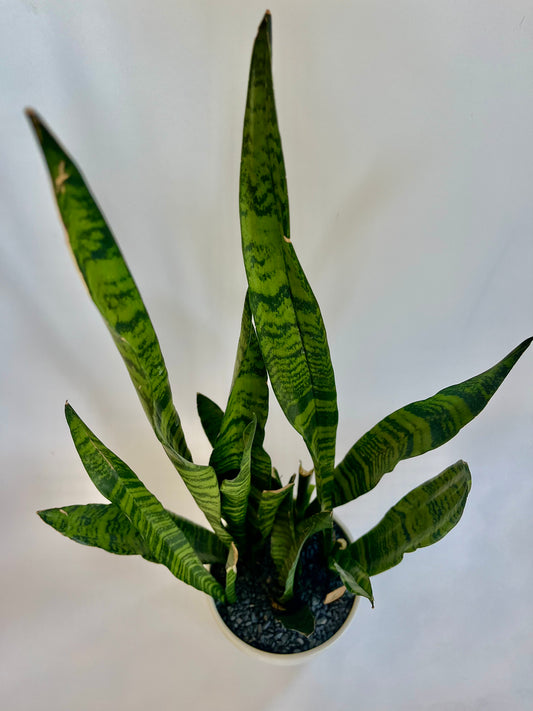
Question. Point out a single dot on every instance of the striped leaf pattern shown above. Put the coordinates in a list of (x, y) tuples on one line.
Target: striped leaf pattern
[(201, 481), (288, 540), (105, 526), (211, 416), (116, 296), (356, 579), (287, 318), (117, 482), (248, 399), (112, 289), (235, 492), (264, 506), (416, 429), (231, 574), (420, 519)]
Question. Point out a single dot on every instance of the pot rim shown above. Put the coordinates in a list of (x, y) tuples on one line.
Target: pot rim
[(291, 658)]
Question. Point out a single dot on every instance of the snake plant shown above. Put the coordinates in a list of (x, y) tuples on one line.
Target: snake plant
[(282, 341)]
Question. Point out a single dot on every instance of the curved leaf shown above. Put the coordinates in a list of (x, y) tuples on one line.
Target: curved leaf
[(201, 481), (117, 482), (416, 429), (300, 620), (235, 492), (265, 504), (420, 519), (355, 578), (105, 526), (211, 416), (288, 540), (112, 288), (248, 399), (287, 318), (231, 573)]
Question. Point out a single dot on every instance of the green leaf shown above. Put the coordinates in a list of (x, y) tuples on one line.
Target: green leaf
[(304, 491), (300, 619), (265, 505), (201, 481), (112, 288), (105, 526), (416, 429), (231, 574), (287, 318), (235, 492), (116, 296), (211, 416), (420, 519), (118, 483), (248, 399), (355, 578), (288, 540)]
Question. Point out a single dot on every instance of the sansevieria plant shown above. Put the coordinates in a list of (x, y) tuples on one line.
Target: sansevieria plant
[(253, 514)]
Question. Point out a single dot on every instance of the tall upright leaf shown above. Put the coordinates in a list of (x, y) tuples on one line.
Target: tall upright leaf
[(118, 483), (287, 318), (112, 288), (416, 429), (420, 519), (248, 399)]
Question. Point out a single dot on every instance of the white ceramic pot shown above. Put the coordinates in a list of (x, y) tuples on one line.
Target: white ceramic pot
[(295, 657), (281, 659)]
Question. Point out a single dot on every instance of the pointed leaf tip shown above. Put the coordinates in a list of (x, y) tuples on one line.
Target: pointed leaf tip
[(70, 413), (266, 25), (32, 115), (36, 122)]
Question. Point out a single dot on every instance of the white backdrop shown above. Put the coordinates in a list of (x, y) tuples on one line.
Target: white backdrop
[(408, 140)]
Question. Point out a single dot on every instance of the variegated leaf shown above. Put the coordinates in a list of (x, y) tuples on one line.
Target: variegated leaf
[(420, 519), (287, 318), (117, 482), (112, 288), (105, 526), (264, 506), (355, 578), (235, 492), (248, 398), (287, 541), (416, 429), (231, 574)]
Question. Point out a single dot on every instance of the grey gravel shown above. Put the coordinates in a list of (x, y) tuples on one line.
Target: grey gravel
[(313, 582)]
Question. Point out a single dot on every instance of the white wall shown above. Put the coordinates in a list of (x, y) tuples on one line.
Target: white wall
[(409, 152)]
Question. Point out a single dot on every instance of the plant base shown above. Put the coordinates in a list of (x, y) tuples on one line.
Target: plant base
[(251, 621)]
